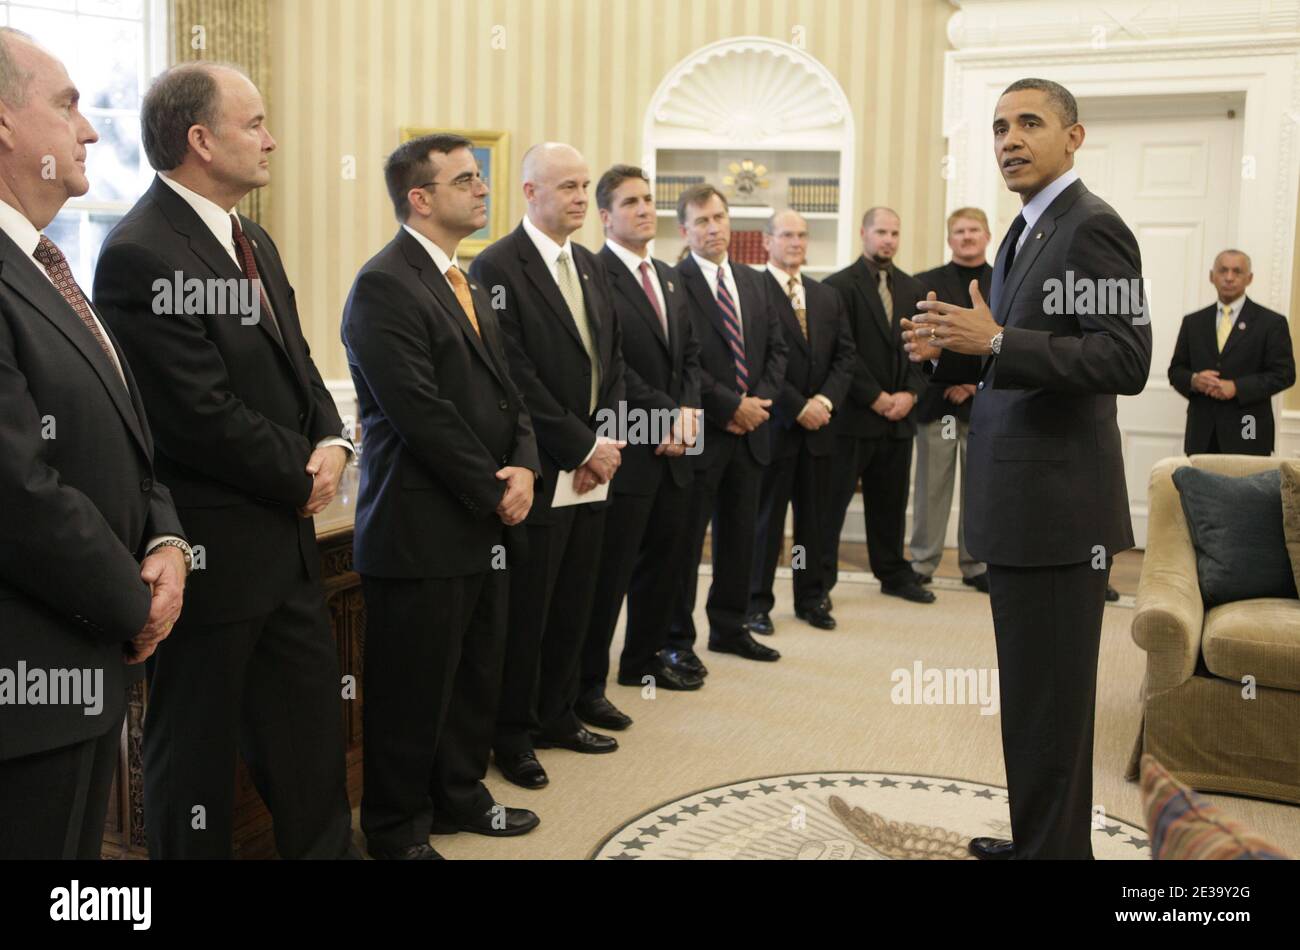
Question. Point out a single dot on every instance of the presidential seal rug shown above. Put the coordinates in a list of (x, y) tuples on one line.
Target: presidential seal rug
[(838, 816)]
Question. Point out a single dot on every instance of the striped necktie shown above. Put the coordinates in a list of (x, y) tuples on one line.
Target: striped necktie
[(734, 334)]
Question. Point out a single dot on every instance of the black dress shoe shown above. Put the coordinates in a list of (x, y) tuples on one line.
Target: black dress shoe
[(497, 822), (591, 743), (909, 590), (992, 849), (665, 677), (818, 616), (413, 852), (744, 645), (980, 582), (599, 711), (760, 623), (1112, 594), (922, 578), (523, 769), (684, 660)]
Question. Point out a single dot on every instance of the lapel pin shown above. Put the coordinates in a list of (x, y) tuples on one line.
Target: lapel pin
[(671, 288), (1038, 236), (1241, 325), (473, 286), (586, 276)]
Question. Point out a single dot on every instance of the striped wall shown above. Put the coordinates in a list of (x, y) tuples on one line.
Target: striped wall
[(348, 74)]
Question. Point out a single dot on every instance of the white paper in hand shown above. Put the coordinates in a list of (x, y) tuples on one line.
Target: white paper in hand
[(565, 495)]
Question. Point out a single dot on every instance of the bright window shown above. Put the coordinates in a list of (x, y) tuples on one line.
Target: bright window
[(112, 49)]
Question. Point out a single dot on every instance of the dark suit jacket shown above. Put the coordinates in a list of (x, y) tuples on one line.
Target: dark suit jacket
[(822, 364), (80, 502), (236, 414), (1044, 454), (947, 283), (765, 355), (547, 358), (440, 415), (662, 374), (882, 364), (1257, 357)]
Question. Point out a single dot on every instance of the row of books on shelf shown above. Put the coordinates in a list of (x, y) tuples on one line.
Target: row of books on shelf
[(668, 188), (747, 247), (815, 194)]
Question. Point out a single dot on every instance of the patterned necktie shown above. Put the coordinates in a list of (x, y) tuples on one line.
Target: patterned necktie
[(572, 295), (801, 313), (49, 256), (650, 292), (248, 263), (1225, 325), (460, 286), (735, 335), (886, 297)]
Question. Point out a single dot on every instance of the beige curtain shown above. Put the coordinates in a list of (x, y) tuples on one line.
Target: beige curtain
[(228, 31)]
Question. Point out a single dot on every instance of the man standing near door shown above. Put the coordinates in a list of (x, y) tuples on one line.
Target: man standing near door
[(1047, 508)]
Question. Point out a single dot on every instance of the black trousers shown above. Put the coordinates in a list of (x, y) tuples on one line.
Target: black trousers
[(646, 537), (433, 654), (884, 465), (726, 494), (1048, 626), (53, 804), (550, 607), (266, 688), (803, 479)]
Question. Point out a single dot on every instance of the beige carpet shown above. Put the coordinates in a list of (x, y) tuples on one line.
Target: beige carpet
[(826, 706)]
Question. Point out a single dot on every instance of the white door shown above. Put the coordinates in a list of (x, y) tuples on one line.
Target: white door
[(1172, 174)]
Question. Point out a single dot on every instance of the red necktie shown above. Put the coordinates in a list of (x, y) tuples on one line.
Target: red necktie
[(248, 263), (735, 336), (650, 292), (49, 256)]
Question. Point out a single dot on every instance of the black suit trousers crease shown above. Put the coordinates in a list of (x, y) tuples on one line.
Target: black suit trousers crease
[(725, 494), (433, 658), (59, 799), (1047, 622), (883, 465), (550, 608), (801, 480), (267, 688), (645, 541)]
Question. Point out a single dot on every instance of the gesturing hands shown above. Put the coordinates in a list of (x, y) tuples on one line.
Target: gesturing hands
[(944, 326), (164, 572), (326, 469), (518, 499)]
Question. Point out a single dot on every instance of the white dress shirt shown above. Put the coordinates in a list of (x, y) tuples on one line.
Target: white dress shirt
[(783, 278), (218, 223), (23, 233), (1035, 206), (440, 258), (634, 263), (1234, 308), (710, 271)]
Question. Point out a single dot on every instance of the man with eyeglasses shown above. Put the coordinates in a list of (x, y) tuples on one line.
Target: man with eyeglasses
[(447, 473)]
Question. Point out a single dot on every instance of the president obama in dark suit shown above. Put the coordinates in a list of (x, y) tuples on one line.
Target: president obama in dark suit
[(248, 440), (819, 367), (1047, 506), (742, 364), (90, 582), (449, 465), (562, 340), (645, 529), (1230, 360)]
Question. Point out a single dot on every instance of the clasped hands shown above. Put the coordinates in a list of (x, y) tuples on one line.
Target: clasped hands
[(749, 415), (1207, 382), (940, 326), (600, 468), (685, 431)]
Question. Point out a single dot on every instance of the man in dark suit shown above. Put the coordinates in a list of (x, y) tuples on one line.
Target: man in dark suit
[(1230, 360), (818, 371), (248, 440), (562, 340), (742, 364), (645, 528), (92, 562), (449, 465), (943, 411), (1047, 507), (876, 427)]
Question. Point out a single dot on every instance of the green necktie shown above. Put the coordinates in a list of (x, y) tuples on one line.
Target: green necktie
[(572, 294)]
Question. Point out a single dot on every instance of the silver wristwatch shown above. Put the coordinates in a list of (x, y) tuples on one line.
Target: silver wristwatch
[(995, 344), (186, 551)]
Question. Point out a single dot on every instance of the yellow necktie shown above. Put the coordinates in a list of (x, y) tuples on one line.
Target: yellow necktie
[(1225, 325), (461, 288), (800, 313)]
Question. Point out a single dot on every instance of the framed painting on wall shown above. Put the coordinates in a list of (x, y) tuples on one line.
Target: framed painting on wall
[(492, 151)]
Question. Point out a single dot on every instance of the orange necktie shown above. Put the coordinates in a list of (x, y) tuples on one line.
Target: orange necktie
[(461, 286)]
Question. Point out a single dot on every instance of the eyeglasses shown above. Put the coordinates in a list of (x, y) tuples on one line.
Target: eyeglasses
[(465, 182)]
